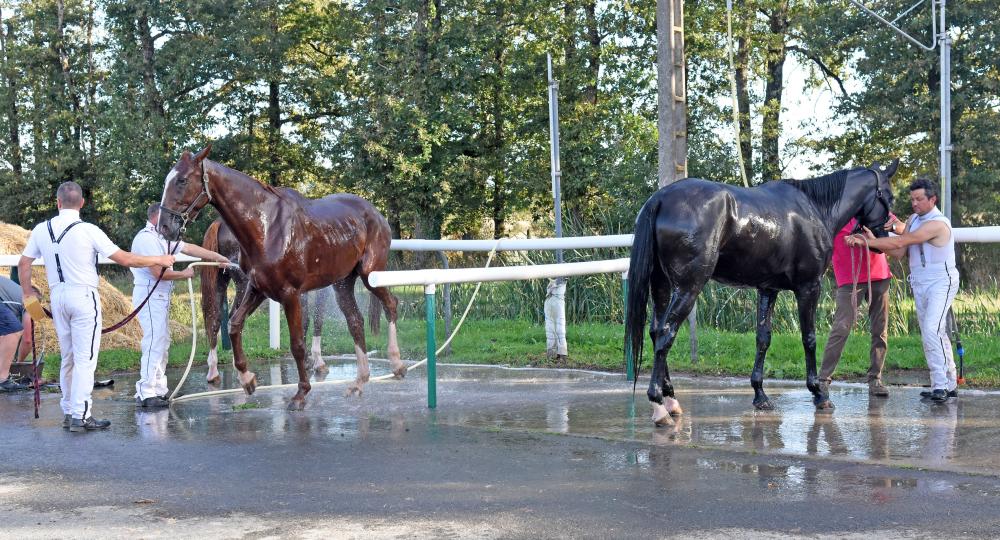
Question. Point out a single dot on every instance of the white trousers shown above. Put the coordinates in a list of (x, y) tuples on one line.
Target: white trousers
[(933, 292), (76, 313), (153, 318)]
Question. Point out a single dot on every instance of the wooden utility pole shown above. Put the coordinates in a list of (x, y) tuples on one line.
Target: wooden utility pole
[(671, 117)]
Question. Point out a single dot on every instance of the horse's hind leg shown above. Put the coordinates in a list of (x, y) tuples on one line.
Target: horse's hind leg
[(807, 297), (252, 299), (765, 307), (670, 307), (292, 304), (390, 304), (356, 326), (322, 296), (213, 291)]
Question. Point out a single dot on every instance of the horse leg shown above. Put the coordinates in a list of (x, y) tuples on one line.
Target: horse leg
[(671, 307), (292, 304), (765, 308), (319, 308), (390, 304), (356, 326), (212, 308), (252, 299), (807, 297)]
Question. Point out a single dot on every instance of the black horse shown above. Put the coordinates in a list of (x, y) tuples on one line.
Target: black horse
[(777, 236)]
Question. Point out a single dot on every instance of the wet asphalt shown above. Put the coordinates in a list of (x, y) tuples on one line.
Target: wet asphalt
[(507, 453)]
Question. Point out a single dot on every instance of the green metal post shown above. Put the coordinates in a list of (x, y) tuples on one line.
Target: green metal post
[(629, 371), (431, 347)]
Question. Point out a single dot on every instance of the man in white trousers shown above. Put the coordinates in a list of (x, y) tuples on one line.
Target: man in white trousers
[(928, 242), (151, 388), (70, 248)]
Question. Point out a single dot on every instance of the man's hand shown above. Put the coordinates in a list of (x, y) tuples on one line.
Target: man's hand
[(221, 259), (165, 260), (891, 224), (187, 273)]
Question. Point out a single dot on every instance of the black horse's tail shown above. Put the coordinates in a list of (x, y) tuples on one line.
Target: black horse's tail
[(639, 270)]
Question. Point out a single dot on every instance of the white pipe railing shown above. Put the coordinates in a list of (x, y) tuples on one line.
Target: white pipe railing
[(508, 273)]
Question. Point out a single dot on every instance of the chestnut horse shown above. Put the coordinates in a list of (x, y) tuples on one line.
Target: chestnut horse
[(289, 245), (773, 237)]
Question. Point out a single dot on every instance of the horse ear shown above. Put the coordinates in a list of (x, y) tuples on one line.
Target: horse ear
[(891, 169), (203, 154)]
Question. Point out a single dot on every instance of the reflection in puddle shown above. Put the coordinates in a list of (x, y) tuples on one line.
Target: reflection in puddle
[(901, 430)]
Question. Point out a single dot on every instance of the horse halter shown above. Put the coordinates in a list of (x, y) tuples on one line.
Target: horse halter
[(880, 194), (186, 215)]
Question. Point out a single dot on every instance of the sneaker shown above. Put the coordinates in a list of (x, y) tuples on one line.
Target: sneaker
[(66, 420), (877, 389), (152, 402), (9, 385), (939, 395), (76, 425), (928, 393)]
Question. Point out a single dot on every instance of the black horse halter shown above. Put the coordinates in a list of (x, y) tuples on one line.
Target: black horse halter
[(880, 196), (186, 215)]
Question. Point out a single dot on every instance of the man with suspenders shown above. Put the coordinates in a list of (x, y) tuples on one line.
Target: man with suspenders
[(70, 248), (151, 388), (928, 242)]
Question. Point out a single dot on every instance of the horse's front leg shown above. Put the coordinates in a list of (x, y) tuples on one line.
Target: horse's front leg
[(292, 305), (252, 299), (765, 308), (807, 297)]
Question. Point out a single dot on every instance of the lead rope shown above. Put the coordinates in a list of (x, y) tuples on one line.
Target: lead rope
[(468, 307)]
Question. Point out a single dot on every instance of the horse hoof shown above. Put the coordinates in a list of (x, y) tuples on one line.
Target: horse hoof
[(296, 404), (764, 405), (673, 406), (320, 368), (399, 373), (214, 380), (250, 385), (825, 405), (661, 417), (351, 390)]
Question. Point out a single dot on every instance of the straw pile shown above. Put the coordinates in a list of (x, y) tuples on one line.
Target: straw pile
[(114, 305)]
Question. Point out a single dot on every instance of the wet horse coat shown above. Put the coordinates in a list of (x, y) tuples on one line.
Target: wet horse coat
[(777, 236), (290, 245), (214, 283)]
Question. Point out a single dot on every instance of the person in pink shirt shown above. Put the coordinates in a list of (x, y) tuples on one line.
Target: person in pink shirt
[(853, 281)]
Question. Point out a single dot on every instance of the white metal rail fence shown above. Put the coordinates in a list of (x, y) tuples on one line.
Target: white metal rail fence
[(430, 278)]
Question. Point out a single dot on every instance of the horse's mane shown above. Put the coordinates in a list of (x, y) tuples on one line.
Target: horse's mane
[(280, 192), (825, 191)]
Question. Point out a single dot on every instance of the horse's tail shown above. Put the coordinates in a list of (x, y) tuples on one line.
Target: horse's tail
[(374, 313), (209, 282), (639, 270)]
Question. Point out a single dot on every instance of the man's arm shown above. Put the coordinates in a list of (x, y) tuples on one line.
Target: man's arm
[(127, 258), (24, 273), (894, 244), (195, 250)]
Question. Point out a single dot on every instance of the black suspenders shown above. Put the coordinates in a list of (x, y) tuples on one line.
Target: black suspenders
[(55, 242)]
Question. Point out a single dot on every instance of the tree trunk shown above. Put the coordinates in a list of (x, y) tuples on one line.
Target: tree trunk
[(743, 97), (70, 92), (273, 132), (499, 176), (13, 122), (594, 54), (155, 111), (771, 132)]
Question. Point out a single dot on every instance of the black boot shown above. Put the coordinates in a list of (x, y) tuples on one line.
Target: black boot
[(90, 424)]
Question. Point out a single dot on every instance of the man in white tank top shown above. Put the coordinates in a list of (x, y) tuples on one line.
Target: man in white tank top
[(928, 242)]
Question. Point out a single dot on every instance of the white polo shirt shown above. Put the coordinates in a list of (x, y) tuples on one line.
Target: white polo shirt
[(150, 242), (77, 250)]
